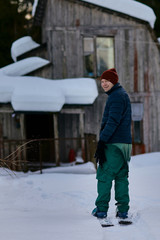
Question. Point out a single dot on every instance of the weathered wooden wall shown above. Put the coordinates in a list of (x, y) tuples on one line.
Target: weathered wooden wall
[(65, 24), (10, 124)]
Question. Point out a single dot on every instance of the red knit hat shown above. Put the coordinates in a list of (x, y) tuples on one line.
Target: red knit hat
[(110, 75)]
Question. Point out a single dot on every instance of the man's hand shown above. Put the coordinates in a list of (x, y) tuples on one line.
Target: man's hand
[(100, 153)]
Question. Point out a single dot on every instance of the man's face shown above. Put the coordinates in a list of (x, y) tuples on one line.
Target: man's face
[(106, 85)]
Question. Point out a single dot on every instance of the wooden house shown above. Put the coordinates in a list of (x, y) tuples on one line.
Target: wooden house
[(85, 38)]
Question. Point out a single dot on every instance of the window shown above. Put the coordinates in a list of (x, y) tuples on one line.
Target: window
[(98, 55), (137, 117), (105, 54), (137, 138)]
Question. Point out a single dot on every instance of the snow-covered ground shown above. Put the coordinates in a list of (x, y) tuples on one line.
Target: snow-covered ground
[(57, 205)]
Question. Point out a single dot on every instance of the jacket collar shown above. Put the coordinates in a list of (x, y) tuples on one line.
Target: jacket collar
[(117, 85)]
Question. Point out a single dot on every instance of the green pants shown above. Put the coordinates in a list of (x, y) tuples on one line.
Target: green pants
[(115, 168)]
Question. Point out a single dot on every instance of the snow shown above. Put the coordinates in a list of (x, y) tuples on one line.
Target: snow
[(39, 94), (21, 46), (24, 66), (129, 7), (34, 7), (58, 205)]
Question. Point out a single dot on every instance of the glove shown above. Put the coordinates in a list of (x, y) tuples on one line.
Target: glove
[(100, 153)]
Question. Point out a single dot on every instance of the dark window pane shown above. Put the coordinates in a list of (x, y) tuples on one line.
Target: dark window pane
[(137, 132), (88, 65)]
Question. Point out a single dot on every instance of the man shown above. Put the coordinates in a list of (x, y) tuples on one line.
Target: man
[(114, 148)]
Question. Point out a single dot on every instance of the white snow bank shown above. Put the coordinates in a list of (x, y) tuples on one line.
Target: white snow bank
[(131, 8), (22, 45), (147, 160), (86, 168), (46, 95), (24, 66)]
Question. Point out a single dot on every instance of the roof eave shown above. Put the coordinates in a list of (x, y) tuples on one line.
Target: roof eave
[(40, 9)]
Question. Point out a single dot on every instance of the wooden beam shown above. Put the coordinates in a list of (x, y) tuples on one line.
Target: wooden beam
[(72, 111), (81, 129), (56, 144)]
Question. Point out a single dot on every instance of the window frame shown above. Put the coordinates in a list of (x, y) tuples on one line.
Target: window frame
[(137, 118), (95, 75)]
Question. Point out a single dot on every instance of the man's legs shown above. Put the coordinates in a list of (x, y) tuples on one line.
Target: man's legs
[(104, 193), (121, 180), (116, 168)]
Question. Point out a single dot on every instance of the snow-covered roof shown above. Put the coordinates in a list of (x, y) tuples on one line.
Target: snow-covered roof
[(22, 45), (24, 66), (129, 7), (46, 95)]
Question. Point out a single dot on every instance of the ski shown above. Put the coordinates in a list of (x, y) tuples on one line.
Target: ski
[(125, 222), (128, 221), (111, 221), (105, 222)]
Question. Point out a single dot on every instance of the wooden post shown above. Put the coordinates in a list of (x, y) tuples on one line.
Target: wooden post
[(81, 128), (23, 136), (56, 144), (40, 156)]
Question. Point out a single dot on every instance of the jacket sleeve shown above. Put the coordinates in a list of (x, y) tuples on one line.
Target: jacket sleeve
[(116, 109)]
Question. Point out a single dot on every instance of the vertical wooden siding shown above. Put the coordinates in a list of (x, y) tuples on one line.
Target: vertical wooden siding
[(136, 58)]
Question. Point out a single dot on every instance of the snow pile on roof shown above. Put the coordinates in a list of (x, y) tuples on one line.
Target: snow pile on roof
[(46, 95), (22, 45), (37, 94), (78, 90), (24, 66), (131, 8)]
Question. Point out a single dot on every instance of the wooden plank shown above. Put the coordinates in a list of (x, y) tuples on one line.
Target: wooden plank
[(56, 135), (58, 53), (72, 111)]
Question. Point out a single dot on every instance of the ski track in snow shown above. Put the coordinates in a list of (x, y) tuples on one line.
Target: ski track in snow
[(138, 230)]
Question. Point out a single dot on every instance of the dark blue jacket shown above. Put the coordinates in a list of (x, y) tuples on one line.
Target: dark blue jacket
[(116, 121)]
